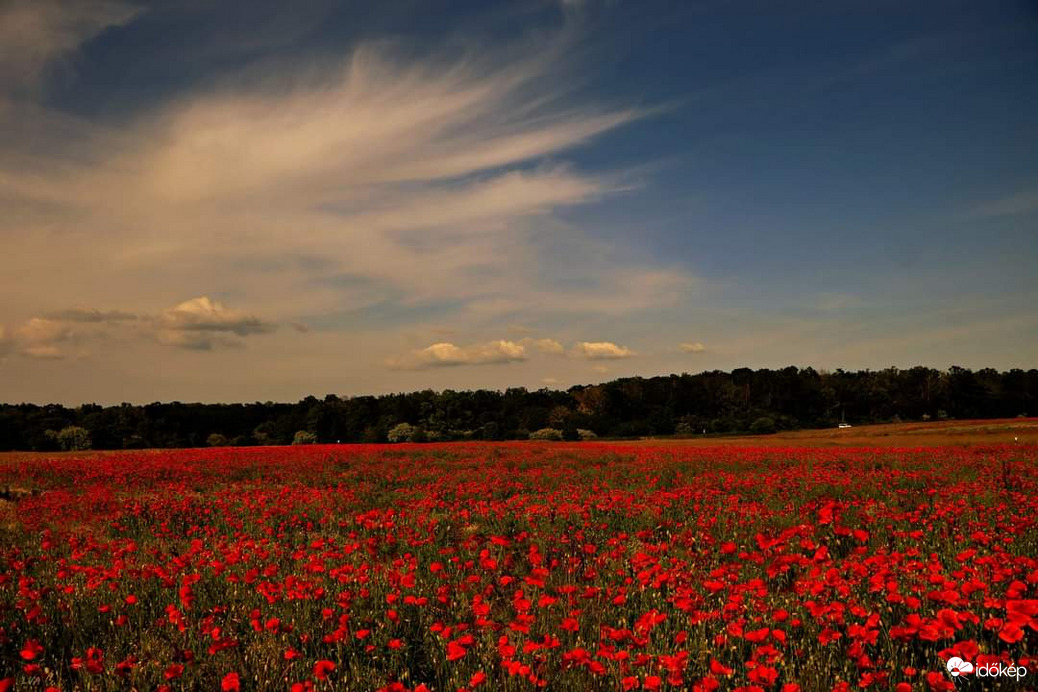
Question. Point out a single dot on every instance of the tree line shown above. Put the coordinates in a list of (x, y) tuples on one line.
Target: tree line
[(715, 402)]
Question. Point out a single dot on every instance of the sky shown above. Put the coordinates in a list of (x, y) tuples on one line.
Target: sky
[(253, 200)]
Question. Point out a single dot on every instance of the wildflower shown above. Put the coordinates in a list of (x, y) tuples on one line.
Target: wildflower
[(323, 668)]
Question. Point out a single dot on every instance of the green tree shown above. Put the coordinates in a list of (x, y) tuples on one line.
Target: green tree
[(553, 434), (763, 426), (74, 438), (304, 437), (216, 440), (401, 432)]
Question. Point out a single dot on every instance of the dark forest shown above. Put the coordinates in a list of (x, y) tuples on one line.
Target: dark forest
[(708, 403)]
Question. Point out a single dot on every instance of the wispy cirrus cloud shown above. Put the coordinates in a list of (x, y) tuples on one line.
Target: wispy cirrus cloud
[(426, 179), (91, 315), (434, 182), (1025, 202), (36, 34)]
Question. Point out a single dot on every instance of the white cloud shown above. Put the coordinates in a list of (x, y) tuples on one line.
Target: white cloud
[(366, 199), (601, 350), (417, 177), (446, 354), (692, 347), (207, 315), (550, 346), (550, 381), (43, 338), (201, 323)]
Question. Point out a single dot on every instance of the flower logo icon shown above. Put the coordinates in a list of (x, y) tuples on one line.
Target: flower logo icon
[(957, 667)]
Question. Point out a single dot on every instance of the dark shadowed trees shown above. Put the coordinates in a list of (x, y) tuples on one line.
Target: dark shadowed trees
[(714, 401)]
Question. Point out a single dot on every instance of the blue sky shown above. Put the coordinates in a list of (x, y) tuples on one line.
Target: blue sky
[(256, 200)]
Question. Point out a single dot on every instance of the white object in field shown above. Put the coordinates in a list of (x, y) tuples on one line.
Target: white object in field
[(844, 425)]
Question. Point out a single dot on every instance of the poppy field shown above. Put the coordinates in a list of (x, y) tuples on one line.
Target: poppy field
[(518, 566)]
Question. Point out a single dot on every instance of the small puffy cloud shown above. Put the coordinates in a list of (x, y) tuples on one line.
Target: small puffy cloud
[(206, 315), (692, 347), (546, 345), (601, 369), (92, 315), (202, 323), (551, 381), (446, 354), (43, 338), (601, 350), (52, 335), (198, 324)]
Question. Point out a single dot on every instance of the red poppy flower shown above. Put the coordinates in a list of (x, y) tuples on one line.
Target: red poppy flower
[(1010, 633), (716, 668), (31, 650), (323, 668)]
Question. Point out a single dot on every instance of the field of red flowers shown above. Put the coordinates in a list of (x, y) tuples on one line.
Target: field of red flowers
[(518, 566)]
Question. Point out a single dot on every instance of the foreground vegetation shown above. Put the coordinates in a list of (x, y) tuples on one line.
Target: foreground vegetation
[(516, 566)]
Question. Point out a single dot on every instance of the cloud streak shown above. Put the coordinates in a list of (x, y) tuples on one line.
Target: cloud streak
[(34, 34), (426, 179), (1022, 203), (91, 315), (354, 198)]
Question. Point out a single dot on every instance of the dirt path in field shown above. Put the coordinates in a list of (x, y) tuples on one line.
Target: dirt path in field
[(932, 434)]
